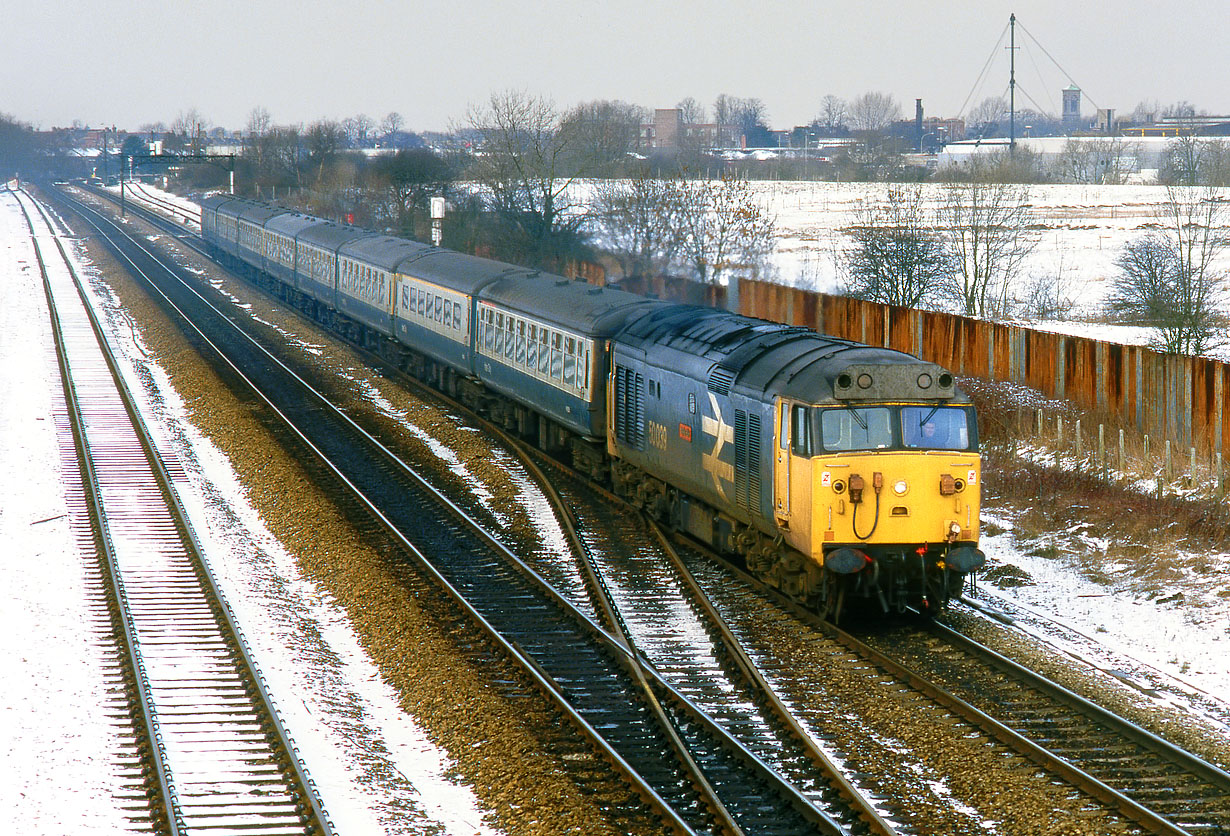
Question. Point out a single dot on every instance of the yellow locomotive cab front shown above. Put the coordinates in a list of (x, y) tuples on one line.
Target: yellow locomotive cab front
[(896, 486)]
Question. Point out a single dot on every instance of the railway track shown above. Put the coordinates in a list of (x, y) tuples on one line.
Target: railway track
[(1151, 783), (1168, 794), (1186, 791), (215, 750), (638, 586), (589, 674)]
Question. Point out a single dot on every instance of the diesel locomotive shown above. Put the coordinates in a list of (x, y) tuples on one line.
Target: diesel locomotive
[(840, 473)]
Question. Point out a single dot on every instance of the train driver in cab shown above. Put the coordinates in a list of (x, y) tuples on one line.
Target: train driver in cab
[(935, 428)]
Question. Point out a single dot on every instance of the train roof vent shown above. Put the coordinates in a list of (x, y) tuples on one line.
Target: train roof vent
[(720, 380)]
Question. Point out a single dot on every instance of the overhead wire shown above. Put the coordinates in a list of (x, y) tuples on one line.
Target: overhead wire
[(982, 74), (1071, 80)]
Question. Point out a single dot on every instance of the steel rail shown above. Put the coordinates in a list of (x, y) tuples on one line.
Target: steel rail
[(542, 679), (310, 806)]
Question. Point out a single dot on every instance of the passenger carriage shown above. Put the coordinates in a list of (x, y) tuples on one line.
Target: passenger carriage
[(316, 265), (366, 278), (281, 252), (543, 341)]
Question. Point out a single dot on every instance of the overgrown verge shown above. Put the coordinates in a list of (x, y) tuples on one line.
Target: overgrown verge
[(1116, 532)]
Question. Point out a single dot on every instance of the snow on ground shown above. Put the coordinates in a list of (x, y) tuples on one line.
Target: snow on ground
[(1080, 230), (376, 768), (1173, 636)]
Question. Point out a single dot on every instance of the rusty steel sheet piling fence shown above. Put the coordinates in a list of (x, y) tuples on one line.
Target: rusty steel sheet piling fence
[(1181, 400)]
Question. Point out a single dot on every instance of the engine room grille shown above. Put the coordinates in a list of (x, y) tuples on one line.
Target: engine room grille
[(630, 407), (747, 460), (720, 380)]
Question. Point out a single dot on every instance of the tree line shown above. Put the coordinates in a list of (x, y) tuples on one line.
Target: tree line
[(966, 247)]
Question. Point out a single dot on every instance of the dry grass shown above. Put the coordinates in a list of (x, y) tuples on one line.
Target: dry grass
[(1113, 531)]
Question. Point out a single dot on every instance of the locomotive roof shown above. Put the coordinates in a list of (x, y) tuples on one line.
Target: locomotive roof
[(382, 251), (763, 358), (576, 305)]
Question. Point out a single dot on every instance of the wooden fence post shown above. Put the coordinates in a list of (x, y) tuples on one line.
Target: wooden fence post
[(1102, 450), (1122, 467)]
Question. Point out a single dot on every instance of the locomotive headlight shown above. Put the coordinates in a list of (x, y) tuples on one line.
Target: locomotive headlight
[(900, 487)]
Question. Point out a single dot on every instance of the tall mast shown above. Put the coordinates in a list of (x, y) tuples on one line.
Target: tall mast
[(1012, 82)]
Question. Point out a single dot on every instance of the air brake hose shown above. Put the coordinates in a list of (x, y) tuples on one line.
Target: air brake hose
[(875, 522)]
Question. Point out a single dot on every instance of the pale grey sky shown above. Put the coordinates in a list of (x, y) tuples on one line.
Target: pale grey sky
[(130, 63)]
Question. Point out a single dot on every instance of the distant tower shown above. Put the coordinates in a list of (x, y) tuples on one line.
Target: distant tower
[(1071, 106)]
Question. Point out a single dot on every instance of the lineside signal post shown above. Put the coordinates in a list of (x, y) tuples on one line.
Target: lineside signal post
[(437, 220)]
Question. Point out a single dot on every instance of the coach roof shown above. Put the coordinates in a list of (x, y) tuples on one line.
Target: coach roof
[(576, 305)]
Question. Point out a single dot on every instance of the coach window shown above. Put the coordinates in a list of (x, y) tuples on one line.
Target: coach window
[(448, 314), (520, 343), (544, 352), (531, 348), (457, 315), (439, 306), (557, 358), (570, 361), (498, 349), (510, 339), (583, 370), (488, 330)]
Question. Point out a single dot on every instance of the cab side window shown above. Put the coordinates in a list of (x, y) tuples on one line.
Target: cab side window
[(800, 434)]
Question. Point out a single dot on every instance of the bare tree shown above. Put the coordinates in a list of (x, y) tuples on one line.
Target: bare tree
[(1166, 279), (1215, 163), (984, 117), (725, 109), (691, 111), (525, 148), (1182, 161), (1146, 111), (725, 229), (603, 133), (1141, 293), (322, 142), (259, 122), (833, 113), (874, 111), (987, 227), (641, 220), (188, 131), (1094, 160), (391, 123), (896, 256), (405, 182), (362, 125)]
